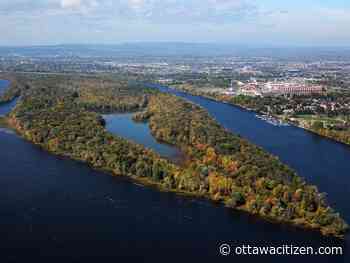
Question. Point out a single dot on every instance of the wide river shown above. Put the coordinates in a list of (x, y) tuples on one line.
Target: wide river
[(61, 210)]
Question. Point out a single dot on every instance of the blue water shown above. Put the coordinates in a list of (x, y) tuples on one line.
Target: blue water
[(4, 84), (5, 108), (123, 125), (320, 161), (57, 210)]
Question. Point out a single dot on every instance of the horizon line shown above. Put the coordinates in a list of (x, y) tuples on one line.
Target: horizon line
[(226, 44)]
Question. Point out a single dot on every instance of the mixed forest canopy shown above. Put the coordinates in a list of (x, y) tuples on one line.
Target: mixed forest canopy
[(63, 115)]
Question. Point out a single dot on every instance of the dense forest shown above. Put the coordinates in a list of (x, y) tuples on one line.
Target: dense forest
[(109, 97), (62, 115), (236, 171)]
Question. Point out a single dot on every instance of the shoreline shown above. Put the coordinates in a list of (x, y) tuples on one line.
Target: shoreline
[(147, 182), (178, 159), (205, 96), (173, 178)]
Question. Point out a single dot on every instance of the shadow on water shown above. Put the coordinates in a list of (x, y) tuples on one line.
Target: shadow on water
[(6, 108)]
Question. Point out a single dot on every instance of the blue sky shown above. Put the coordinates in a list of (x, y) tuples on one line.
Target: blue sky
[(255, 22)]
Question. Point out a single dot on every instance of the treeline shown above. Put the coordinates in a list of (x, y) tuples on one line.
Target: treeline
[(276, 105), (111, 98), (342, 136), (235, 171), (52, 119), (13, 91), (220, 166)]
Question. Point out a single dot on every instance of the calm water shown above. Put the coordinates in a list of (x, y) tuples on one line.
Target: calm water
[(5, 108), (4, 84), (320, 161), (124, 126), (60, 210)]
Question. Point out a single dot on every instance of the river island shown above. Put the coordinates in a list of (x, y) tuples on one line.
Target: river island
[(63, 115)]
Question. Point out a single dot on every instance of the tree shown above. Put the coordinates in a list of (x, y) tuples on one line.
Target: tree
[(237, 199), (157, 172), (317, 125)]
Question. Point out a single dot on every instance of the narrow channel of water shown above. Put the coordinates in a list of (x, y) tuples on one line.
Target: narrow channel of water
[(7, 107), (57, 210), (122, 125), (4, 84), (321, 161)]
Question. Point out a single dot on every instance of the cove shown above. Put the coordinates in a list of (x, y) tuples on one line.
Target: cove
[(4, 84), (122, 125), (6, 108), (57, 210)]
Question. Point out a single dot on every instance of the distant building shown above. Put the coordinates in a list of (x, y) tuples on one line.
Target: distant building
[(295, 87), (291, 88), (251, 89), (165, 81)]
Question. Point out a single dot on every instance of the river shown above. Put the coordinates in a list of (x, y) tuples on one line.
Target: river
[(60, 210), (319, 160)]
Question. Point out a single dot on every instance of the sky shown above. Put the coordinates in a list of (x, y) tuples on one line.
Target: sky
[(251, 22)]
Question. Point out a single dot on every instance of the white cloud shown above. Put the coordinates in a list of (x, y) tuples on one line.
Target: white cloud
[(187, 20), (71, 3), (84, 6), (186, 11), (136, 3), (169, 11)]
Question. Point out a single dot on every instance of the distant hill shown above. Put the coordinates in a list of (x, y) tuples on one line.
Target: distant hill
[(177, 49)]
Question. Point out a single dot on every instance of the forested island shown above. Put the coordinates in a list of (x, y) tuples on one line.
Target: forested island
[(63, 115)]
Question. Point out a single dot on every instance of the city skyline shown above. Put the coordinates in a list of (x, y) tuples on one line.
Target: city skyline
[(316, 23)]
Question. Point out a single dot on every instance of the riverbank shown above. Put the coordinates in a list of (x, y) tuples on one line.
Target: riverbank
[(335, 136), (11, 91), (223, 167), (174, 129), (3, 122), (166, 186)]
